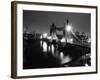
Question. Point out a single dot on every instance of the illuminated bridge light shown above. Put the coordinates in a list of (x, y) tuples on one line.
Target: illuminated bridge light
[(68, 28), (45, 35), (63, 40), (70, 40), (49, 37)]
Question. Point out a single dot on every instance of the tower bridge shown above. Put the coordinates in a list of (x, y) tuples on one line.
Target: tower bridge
[(59, 47), (67, 33), (62, 41)]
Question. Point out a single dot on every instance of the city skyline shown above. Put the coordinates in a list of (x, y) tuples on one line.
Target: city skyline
[(40, 21)]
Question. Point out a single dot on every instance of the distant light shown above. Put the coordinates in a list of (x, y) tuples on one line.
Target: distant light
[(68, 28), (28, 32), (45, 35), (89, 40), (41, 37)]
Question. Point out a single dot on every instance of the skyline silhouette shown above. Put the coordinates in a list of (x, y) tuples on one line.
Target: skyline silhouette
[(40, 21)]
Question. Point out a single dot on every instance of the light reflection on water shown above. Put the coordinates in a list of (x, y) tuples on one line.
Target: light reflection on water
[(52, 48), (44, 47), (55, 53)]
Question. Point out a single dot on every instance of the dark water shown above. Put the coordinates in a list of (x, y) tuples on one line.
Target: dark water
[(34, 57)]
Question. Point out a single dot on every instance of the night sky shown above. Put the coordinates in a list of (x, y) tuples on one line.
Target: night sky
[(40, 21)]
